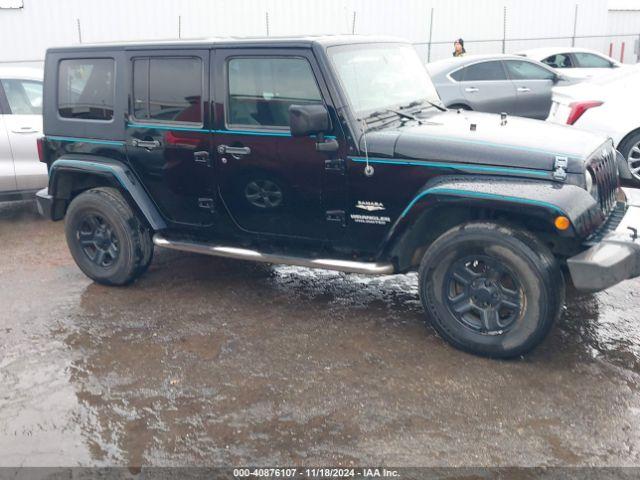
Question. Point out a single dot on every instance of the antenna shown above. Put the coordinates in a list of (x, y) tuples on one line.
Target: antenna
[(368, 169)]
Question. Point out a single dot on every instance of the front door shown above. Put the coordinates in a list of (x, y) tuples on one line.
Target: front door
[(168, 139), (533, 88), (271, 182)]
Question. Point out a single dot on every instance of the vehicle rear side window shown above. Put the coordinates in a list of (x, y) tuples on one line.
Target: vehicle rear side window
[(589, 60), (483, 71), (523, 70), (24, 96), (560, 60), (86, 88), (168, 89), (261, 90)]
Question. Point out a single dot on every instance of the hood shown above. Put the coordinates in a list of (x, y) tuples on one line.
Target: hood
[(521, 143)]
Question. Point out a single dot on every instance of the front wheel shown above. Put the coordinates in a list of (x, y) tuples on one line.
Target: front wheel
[(106, 238), (491, 290), (630, 149)]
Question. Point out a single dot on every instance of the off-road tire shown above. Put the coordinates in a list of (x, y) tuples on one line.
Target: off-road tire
[(537, 271), (133, 238)]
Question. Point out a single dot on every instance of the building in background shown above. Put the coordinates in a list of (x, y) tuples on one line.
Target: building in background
[(28, 27), (624, 17)]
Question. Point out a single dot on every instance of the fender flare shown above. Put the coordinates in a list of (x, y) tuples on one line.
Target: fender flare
[(120, 176), (544, 200)]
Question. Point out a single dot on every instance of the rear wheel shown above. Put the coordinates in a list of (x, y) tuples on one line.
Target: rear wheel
[(491, 290), (106, 238)]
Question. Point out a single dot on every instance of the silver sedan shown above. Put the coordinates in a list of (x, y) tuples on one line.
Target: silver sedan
[(21, 173), (496, 84)]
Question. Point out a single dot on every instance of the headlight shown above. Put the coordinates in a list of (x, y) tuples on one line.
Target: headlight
[(592, 187)]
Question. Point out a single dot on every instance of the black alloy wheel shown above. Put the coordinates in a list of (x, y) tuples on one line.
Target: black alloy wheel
[(98, 240), (483, 294)]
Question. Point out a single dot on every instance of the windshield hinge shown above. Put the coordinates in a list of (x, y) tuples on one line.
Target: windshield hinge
[(335, 165), (560, 168), (337, 216)]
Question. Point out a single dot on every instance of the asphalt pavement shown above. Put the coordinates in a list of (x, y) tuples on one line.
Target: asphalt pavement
[(210, 361)]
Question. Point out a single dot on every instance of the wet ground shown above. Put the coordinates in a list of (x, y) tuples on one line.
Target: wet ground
[(208, 361)]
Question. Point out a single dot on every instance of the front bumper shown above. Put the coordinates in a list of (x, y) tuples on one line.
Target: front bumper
[(616, 257), (44, 202)]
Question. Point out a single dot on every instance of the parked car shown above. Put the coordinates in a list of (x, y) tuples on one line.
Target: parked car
[(607, 105), (578, 63), (336, 153), (495, 84), (21, 174)]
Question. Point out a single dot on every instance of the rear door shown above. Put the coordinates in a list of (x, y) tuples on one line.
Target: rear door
[(533, 88), (167, 132), (7, 172), (23, 124), (486, 87), (270, 182)]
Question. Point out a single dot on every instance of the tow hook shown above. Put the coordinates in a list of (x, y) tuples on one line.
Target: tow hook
[(634, 233)]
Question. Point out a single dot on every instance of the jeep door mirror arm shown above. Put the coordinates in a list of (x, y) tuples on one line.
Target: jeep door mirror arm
[(326, 144)]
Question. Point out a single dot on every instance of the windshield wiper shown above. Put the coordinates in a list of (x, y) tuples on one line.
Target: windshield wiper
[(379, 113), (417, 103)]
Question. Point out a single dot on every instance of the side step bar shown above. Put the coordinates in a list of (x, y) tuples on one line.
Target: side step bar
[(253, 255)]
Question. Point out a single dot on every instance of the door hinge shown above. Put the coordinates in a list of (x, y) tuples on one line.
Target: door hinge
[(337, 216), (202, 157), (335, 165), (206, 204)]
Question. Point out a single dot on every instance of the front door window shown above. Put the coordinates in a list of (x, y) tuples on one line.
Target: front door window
[(261, 90)]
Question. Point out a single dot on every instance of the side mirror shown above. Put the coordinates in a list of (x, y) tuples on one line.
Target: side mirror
[(560, 78), (305, 120)]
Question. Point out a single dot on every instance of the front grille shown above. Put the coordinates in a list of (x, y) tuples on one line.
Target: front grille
[(610, 225), (605, 171)]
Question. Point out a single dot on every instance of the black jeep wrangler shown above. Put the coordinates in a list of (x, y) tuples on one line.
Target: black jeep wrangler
[(334, 153)]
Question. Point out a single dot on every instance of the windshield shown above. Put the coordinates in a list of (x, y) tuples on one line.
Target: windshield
[(381, 76)]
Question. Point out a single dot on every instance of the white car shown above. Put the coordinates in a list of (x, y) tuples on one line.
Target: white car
[(607, 105), (21, 173), (578, 63)]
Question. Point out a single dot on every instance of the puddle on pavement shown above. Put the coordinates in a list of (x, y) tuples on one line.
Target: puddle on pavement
[(211, 361)]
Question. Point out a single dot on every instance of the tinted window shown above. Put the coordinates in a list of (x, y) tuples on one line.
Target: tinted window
[(458, 75), (262, 89), (24, 96), (589, 60), (483, 71), (522, 70), (86, 88), (561, 60), (168, 89)]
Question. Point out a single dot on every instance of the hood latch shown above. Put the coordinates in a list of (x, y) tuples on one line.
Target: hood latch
[(560, 168)]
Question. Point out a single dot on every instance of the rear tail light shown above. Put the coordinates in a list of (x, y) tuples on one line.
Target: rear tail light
[(40, 142), (578, 108)]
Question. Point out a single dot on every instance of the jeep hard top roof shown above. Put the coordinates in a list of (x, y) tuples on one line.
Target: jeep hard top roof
[(323, 41)]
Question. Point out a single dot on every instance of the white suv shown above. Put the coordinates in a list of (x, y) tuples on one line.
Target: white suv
[(21, 173)]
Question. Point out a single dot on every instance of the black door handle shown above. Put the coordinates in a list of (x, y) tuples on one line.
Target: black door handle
[(239, 151)]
